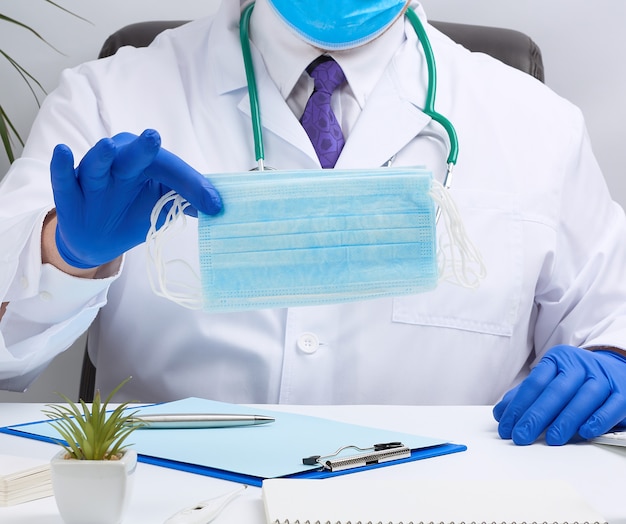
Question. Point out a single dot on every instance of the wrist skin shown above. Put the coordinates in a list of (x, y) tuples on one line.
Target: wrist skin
[(50, 253)]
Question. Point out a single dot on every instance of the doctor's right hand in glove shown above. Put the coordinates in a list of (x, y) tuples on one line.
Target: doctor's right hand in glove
[(103, 206), (571, 391)]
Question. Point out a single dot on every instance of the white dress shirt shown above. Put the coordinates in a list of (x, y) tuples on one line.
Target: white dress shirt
[(363, 66)]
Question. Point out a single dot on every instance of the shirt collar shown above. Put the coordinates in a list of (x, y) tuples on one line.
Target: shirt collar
[(286, 56)]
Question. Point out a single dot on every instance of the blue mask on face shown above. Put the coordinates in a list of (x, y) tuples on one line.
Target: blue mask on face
[(338, 24)]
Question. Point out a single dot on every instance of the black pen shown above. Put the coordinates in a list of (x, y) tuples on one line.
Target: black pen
[(197, 420)]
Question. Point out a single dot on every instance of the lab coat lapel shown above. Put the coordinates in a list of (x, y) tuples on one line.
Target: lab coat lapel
[(229, 75), (391, 118), (276, 116)]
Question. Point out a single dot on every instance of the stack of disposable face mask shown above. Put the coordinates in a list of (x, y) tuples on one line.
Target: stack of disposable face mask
[(299, 238)]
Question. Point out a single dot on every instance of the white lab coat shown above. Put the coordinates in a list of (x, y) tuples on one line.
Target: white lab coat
[(527, 185)]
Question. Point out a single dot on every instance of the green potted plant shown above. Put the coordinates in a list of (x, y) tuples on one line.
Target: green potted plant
[(92, 475)]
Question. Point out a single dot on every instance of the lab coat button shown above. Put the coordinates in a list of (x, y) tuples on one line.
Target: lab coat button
[(308, 343), (24, 282), (45, 296)]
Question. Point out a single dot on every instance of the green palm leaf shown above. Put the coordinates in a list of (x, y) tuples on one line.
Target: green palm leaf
[(92, 434), (8, 131), (68, 11)]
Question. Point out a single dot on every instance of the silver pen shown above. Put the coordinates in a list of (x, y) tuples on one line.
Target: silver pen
[(197, 420)]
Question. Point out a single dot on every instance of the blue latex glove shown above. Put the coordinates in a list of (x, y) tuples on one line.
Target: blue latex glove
[(103, 206), (571, 390)]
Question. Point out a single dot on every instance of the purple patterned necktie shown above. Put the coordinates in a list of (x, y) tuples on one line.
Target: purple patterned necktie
[(318, 118)]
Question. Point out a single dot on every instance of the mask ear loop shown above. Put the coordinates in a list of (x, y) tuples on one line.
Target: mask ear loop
[(157, 267), (459, 260)]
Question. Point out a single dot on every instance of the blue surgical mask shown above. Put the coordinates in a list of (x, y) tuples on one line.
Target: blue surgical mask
[(338, 24), (306, 238), (314, 237)]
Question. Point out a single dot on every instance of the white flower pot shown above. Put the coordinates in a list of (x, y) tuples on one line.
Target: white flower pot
[(92, 491)]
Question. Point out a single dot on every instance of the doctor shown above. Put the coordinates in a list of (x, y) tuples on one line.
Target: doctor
[(528, 187)]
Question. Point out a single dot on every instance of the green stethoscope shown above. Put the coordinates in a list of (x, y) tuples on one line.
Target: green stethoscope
[(429, 105)]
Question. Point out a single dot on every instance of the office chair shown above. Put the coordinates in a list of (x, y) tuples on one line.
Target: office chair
[(507, 45), (511, 47)]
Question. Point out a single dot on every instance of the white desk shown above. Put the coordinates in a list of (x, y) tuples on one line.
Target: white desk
[(598, 472)]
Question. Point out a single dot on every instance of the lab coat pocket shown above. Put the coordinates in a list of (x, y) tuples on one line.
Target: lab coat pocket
[(493, 224)]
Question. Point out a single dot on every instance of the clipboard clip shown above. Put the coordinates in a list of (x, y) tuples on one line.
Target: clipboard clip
[(376, 454)]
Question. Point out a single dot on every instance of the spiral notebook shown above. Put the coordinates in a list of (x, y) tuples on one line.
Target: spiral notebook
[(343, 500)]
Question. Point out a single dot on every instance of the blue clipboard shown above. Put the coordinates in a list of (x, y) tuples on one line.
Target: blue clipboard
[(249, 454)]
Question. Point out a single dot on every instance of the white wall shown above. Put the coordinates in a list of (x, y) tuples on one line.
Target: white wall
[(582, 44)]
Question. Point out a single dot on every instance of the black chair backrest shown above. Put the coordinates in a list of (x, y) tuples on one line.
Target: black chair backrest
[(507, 45)]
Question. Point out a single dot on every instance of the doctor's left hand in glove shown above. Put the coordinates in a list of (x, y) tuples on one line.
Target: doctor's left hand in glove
[(103, 206), (570, 392)]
